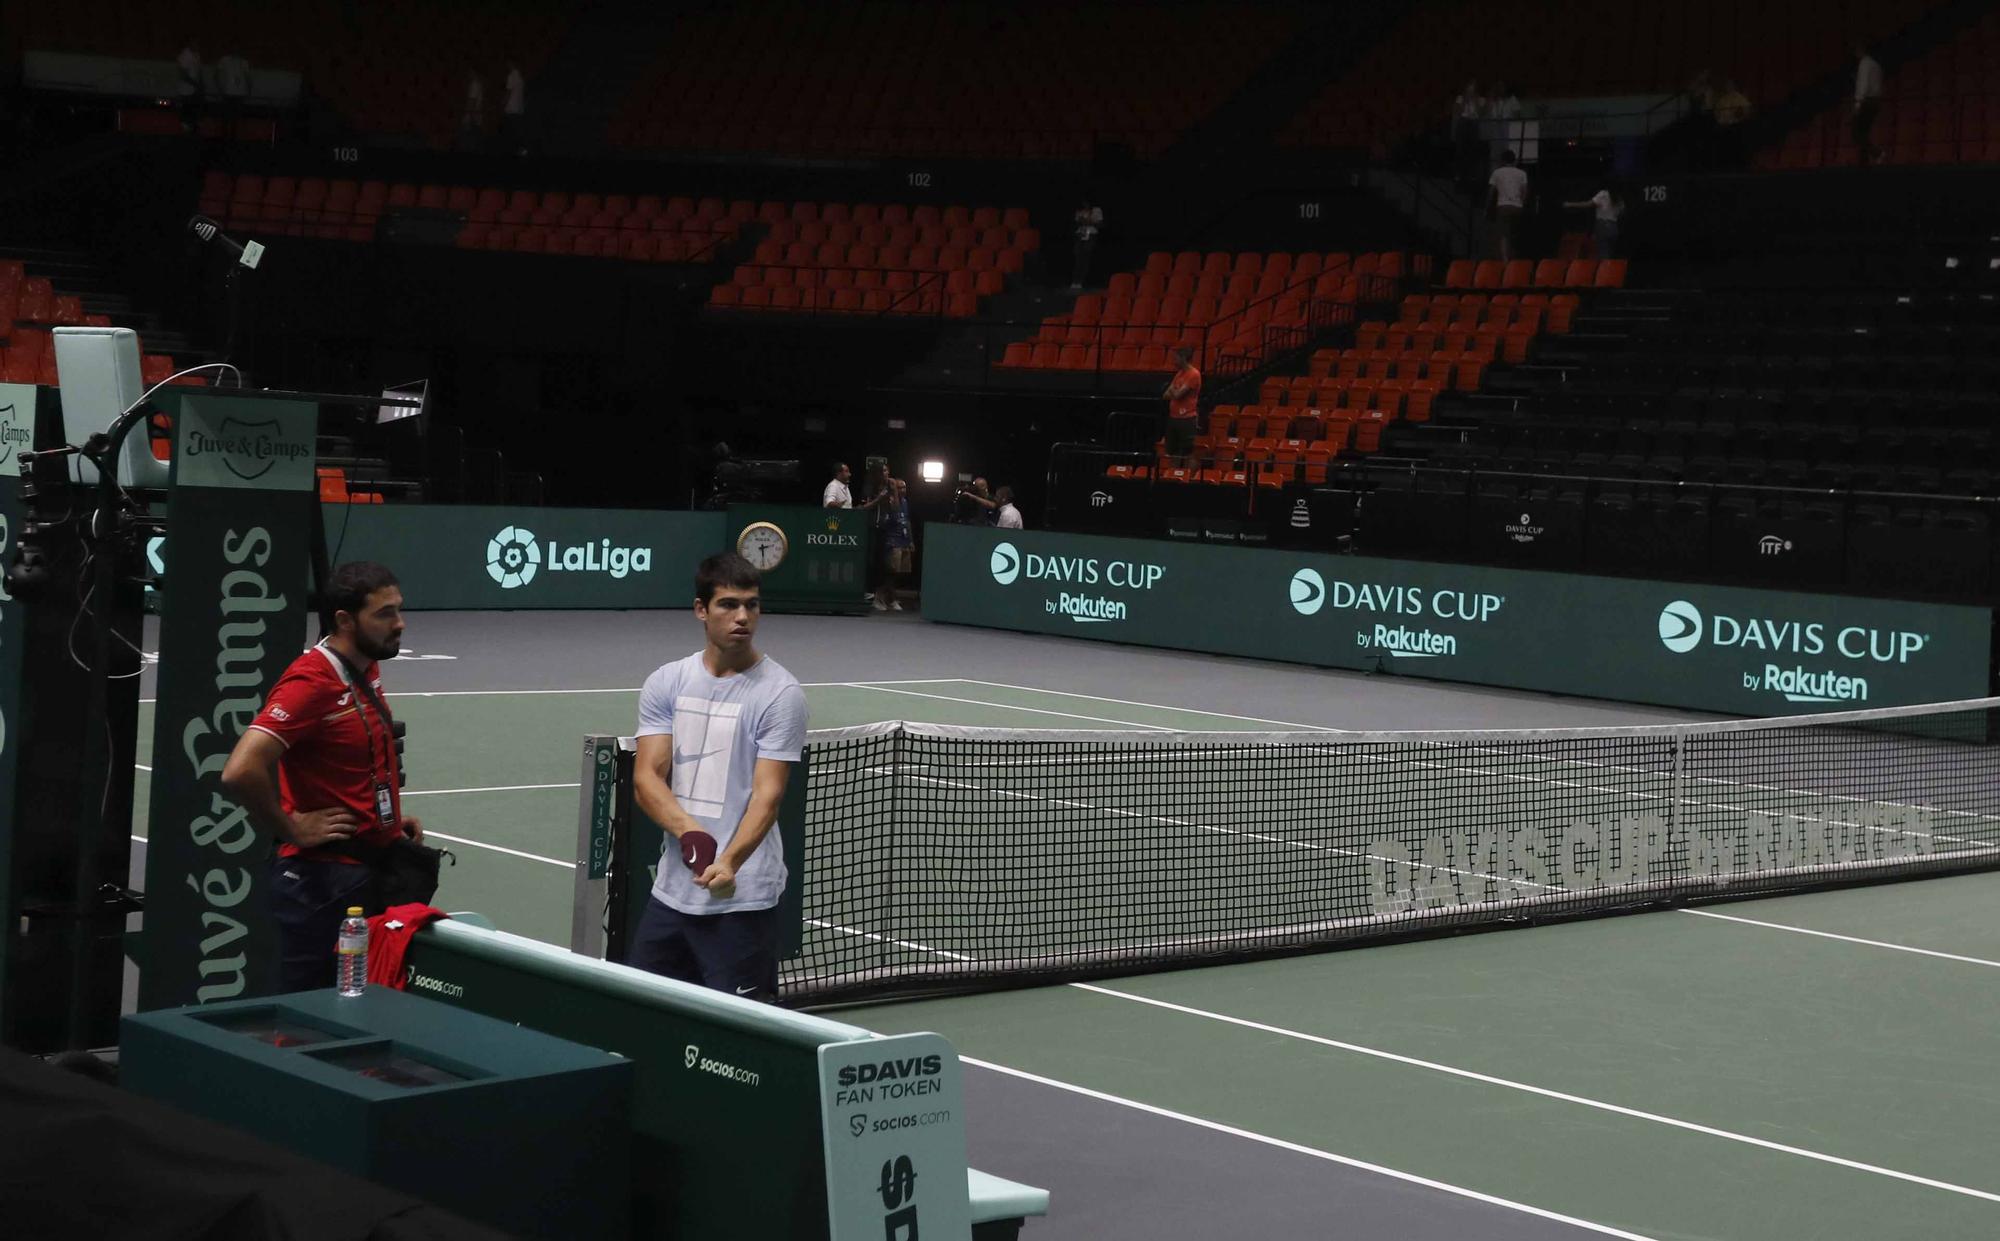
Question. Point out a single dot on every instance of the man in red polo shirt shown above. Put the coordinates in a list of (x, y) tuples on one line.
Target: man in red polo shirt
[(1183, 404), (317, 770)]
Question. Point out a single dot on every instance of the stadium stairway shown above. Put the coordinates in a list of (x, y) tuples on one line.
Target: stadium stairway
[(608, 50), (968, 355)]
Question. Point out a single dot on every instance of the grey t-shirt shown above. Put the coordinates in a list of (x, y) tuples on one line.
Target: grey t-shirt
[(720, 728)]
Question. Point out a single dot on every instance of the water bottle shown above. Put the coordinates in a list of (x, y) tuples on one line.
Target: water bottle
[(353, 952)]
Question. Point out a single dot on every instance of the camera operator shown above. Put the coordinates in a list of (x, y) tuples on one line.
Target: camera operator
[(999, 507), (974, 505)]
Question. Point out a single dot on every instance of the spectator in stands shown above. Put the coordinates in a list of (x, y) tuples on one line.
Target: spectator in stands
[(1183, 393), (1466, 112), (1504, 129), (190, 89), (514, 112), (1089, 222), (1732, 106), (232, 80), (1867, 102), (898, 543), (1609, 206), (1506, 196), (1732, 109), (472, 119)]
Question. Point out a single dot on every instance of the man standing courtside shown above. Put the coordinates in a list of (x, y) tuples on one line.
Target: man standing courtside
[(317, 770), (1183, 395), (718, 734)]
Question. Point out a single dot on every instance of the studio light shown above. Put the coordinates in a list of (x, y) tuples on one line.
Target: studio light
[(933, 471)]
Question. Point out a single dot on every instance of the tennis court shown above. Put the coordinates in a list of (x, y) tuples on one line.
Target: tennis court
[(1797, 1066)]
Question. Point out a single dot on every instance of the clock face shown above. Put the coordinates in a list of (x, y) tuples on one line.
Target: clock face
[(762, 544)]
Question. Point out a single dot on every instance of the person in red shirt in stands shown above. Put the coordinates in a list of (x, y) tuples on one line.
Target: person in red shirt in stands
[(317, 770), (1183, 404)]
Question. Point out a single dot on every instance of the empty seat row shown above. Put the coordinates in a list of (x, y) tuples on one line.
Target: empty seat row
[(771, 254), (847, 300), (994, 237), (1528, 274)]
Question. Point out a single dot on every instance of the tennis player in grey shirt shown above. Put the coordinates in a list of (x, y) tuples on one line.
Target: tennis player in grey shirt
[(718, 734)]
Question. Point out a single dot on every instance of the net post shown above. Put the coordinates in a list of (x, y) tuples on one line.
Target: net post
[(595, 838), (892, 909)]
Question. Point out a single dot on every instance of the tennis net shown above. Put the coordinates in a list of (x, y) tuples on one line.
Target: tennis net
[(947, 858)]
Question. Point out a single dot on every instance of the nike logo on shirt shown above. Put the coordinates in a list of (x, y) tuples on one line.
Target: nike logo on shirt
[(745, 990)]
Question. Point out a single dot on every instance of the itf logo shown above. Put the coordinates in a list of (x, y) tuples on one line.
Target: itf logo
[(1006, 563), (512, 557), (1680, 626), (1308, 591)]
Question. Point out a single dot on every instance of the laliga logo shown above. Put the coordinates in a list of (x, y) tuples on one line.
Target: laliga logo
[(1308, 591), (1680, 626), (1005, 563), (512, 557)]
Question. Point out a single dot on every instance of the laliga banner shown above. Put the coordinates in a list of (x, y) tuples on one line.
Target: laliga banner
[(1710, 648), (495, 556), (17, 429), (232, 617)]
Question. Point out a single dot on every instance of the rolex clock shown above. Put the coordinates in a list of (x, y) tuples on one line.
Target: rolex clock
[(810, 559), (763, 544)]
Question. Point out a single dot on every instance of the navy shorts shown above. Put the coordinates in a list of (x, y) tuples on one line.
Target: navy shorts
[(733, 952), (308, 900)]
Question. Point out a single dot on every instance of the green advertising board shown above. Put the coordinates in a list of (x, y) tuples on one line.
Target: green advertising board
[(17, 428), (478, 556), (1711, 648), (811, 559), (232, 618)]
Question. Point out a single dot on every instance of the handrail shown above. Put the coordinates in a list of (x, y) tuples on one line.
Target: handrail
[(1473, 474)]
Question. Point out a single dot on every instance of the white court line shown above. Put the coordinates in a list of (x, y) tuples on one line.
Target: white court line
[(886, 939), (1846, 939), (480, 844), (1546, 1093), (1313, 1152), (144, 768), (882, 687), (1507, 1083), (1153, 706), (496, 788), (502, 693)]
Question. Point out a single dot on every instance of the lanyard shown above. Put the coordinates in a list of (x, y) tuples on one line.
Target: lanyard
[(364, 696)]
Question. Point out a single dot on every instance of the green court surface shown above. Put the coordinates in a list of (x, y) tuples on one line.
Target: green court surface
[(1804, 1066)]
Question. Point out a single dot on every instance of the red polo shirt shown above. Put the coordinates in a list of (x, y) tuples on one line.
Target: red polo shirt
[(1188, 403), (337, 747)]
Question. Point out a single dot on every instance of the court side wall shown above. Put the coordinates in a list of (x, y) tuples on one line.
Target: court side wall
[(1705, 647)]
